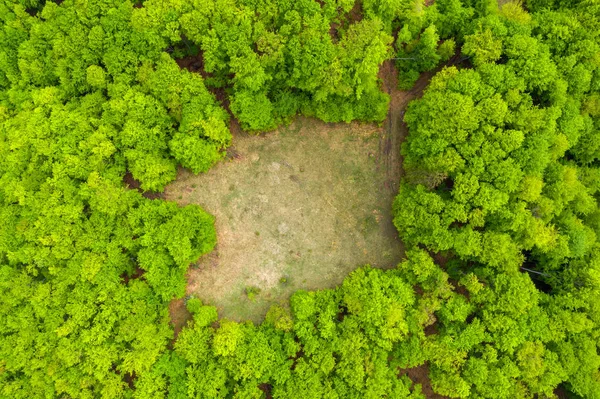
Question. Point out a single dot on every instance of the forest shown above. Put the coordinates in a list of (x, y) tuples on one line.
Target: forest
[(499, 294)]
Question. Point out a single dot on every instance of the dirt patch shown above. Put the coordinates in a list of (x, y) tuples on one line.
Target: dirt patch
[(333, 31), (298, 208), (195, 64), (431, 329), (353, 16), (460, 289), (137, 273), (562, 393), (266, 388), (420, 375), (130, 182), (179, 315)]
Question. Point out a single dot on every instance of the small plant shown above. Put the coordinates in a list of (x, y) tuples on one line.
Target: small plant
[(257, 233), (252, 292), (283, 280)]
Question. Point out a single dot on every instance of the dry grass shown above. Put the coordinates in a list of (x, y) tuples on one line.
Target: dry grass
[(298, 208)]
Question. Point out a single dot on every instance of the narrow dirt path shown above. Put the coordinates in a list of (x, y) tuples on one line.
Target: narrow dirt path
[(394, 129), (390, 159)]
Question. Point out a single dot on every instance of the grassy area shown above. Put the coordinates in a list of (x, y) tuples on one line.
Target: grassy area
[(298, 208)]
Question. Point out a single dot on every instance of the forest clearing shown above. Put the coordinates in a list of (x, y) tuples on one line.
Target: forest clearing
[(276, 199), (297, 208)]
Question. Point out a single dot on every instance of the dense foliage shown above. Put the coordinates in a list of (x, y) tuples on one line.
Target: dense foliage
[(276, 58), (503, 178), (337, 344), (502, 184), (86, 97)]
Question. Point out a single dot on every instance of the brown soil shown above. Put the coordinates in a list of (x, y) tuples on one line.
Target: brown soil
[(351, 17), (395, 130), (333, 32), (179, 315), (137, 273), (266, 388), (420, 375), (355, 14), (562, 393), (431, 329), (194, 64), (130, 182), (460, 289)]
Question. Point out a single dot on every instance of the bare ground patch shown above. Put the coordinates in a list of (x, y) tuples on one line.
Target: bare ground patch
[(298, 208), (420, 375)]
